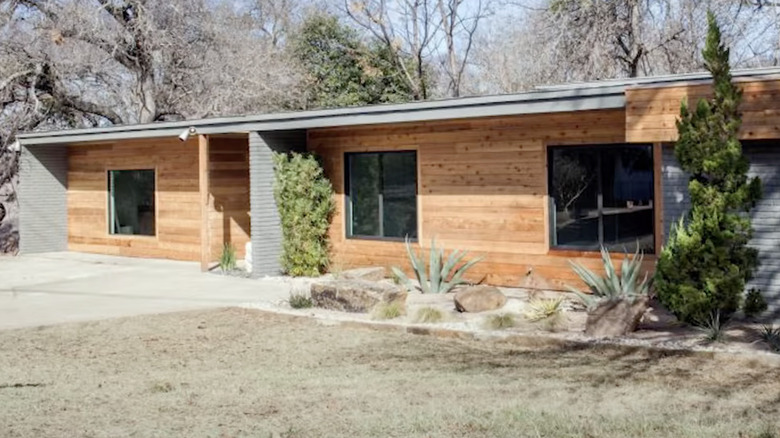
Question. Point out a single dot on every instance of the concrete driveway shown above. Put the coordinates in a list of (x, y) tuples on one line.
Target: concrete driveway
[(54, 288)]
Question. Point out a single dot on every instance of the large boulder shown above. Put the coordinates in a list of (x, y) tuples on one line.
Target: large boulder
[(615, 318), (356, 296), (368, 274), (480, 298)]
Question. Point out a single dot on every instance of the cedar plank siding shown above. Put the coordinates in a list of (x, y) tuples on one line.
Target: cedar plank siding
[(482, 186), (229, 189), (651, 112), (178, 215)]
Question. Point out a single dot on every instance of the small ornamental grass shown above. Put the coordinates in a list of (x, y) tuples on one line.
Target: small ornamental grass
[(500, 322), (299, 300), (714, 328), (429, 315), (549, 312), (771, 336), (227, 258), (385, 311)]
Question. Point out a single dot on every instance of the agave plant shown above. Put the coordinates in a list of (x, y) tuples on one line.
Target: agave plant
[(613, 286), (444, 274)]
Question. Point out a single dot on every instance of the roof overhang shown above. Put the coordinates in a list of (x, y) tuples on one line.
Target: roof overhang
[(450, 109), (600, 95)]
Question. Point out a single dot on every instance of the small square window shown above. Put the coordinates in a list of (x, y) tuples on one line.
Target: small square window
[(131, 203), (382, 195)]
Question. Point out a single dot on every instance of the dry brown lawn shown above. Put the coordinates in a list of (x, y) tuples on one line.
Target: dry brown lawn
[(240, 372)]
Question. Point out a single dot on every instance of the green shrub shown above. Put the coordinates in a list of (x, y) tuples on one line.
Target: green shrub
[(613, 286), (391, 310), (227, 258), (771, 336), (547, 311), (443, 275), (429, 315), (304, 198), (755, 304), (704, 267), (300, 301), (500, 322)]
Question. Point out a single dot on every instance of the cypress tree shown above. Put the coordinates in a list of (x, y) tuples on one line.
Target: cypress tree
[(703, 269)]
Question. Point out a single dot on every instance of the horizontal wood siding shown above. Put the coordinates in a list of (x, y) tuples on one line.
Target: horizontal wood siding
[(178, 215), (177, 201), (482, 187), (229, 189), (652, 112)]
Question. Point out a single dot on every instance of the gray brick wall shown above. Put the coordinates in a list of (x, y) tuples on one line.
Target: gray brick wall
[(266, 229), (43, 209), (764, 163), (675, 186)]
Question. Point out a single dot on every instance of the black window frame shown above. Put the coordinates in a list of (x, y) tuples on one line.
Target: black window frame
[(600, 195), (348, 197), (112, 208)]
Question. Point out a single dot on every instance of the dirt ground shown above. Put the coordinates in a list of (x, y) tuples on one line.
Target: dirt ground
[(241, 372)]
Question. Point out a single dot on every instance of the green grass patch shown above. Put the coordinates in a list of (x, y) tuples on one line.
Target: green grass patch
[(429, 315), (500, 322)]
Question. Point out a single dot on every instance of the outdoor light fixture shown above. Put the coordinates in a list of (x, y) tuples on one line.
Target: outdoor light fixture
[(187, 133)]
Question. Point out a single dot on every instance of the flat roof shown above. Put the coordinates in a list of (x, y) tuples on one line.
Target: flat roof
[(606, 94)]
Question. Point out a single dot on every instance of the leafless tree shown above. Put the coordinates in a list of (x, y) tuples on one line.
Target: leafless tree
[(422, 34), (76, 63), (560, 41)]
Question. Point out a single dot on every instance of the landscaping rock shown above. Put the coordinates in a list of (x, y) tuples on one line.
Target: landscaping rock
[(368, 274), (356, 296), (615, 318), (475, 299)]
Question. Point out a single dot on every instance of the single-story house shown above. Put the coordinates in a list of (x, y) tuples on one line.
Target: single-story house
[(528, 181)]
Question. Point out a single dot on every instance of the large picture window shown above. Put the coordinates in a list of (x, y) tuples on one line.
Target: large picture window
[(602, 195), (131, 202), (382, 195)]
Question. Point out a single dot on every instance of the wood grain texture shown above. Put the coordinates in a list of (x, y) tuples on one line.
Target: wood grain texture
[(178, 215), (203, 191), (652, 112), (178, 201), (229, 220), (482, 187)]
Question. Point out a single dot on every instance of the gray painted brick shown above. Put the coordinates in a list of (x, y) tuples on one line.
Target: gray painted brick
[(43, 209), (764, 163), (266, 228), (675, 190)]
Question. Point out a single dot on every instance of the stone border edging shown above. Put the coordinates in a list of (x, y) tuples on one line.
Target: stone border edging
[(521, 339)]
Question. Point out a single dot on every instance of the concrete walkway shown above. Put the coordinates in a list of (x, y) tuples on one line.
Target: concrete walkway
[(63, 287)]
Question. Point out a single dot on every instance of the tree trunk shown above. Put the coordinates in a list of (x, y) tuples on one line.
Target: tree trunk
[(147, 105)]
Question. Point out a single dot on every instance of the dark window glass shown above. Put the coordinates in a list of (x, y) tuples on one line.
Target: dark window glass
[(602, 195), (382, 195), (131, 202)]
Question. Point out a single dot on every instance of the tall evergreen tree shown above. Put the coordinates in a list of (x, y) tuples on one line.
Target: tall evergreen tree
[(343, 70), (703, 269)]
